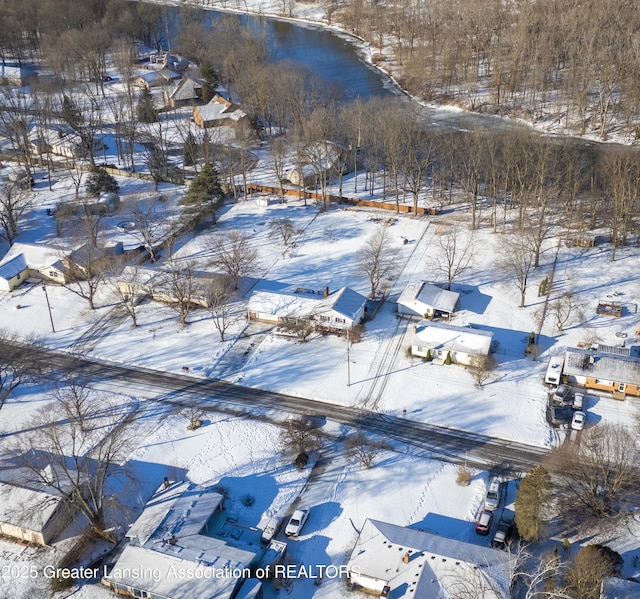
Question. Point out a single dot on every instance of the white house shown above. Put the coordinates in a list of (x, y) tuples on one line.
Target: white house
[(24, 260), (183, 529), (461, 344), (338, 310), (31, 515), (396, 561), (426, 300)]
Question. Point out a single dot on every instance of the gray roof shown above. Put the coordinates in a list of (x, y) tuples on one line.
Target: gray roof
[(602, 365), (345, 301), (430, 295), (437, 568)]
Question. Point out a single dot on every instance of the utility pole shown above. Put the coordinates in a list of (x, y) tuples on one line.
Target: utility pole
[(348, 360), (46, 295)]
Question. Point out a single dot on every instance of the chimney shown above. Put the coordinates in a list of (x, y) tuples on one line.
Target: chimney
[(326, 292)]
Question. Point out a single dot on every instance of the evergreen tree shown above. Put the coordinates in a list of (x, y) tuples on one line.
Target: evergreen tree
[(99, 180), (205, 191), (210, 77), (145, 110), (190, 150), (533, 494)]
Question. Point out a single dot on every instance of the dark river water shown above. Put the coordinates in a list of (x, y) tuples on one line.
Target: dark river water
[(334, 60)]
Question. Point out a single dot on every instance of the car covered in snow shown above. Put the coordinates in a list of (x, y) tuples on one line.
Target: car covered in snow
[(579, 418), (483, 523), (502, 536), (296, 522), (492, 498)]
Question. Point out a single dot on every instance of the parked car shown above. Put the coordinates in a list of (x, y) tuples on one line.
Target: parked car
[(483, 523), (502, 537), (577, 423), (296, 522), (561, 393), (559, 415), (578, 401), (492, 499), (270, 530)]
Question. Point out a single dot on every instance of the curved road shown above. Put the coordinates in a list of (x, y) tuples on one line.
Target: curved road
[(437, 442)]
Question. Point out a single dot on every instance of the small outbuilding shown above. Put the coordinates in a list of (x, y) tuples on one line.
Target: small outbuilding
[(427, 300), (439, 341)]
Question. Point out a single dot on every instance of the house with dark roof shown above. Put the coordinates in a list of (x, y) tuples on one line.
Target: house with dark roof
[(339, 310), (604, 368), (187, 93), (396, 561)]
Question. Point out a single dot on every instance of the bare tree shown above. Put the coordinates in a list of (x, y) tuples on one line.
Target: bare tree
[(14, 203), (564, 307), (19, 362), (234, 254), (283, 229), (77, 457), (150, 224), (364, 449), (517, 259), (86, 268), (299, 436), (124, 283), (481, 368), (194, 414), (598, 478), (183, 290), (374, 258), (454, 255), (218, 294)]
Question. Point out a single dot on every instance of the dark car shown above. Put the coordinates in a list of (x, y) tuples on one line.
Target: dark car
[(561, 394), (483, 523), (502, 537)]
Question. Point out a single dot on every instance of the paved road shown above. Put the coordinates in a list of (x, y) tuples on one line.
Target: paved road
[(438, 442)]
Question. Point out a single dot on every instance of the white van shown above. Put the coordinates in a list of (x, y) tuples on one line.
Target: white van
[(492, 500)]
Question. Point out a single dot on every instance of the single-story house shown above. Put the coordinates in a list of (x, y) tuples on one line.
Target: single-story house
[(25, 260), (149, 80), (461, 343), (605, 368), (157, 284), (395, 561), (188, 92), (183, 529), (217, 113), (338, 310), (61, 140), (315, 159), (302, 175), (31, 515), (426, 300)]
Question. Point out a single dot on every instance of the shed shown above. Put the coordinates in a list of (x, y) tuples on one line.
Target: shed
[(461, 344), (427, 300)]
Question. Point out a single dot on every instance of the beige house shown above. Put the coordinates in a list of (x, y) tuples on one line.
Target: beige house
[(32, 516), (218, 113), (30, 260)]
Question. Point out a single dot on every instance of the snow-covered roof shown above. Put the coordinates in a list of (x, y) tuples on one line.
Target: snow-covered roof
[(28, 508), (168, 74), (618, 588), (174, 532), (436, 567), (300, 302), (430, 295), (218, 109), (449, 337), (602, 365), (187, 89), (36, 256), (12, 267)]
